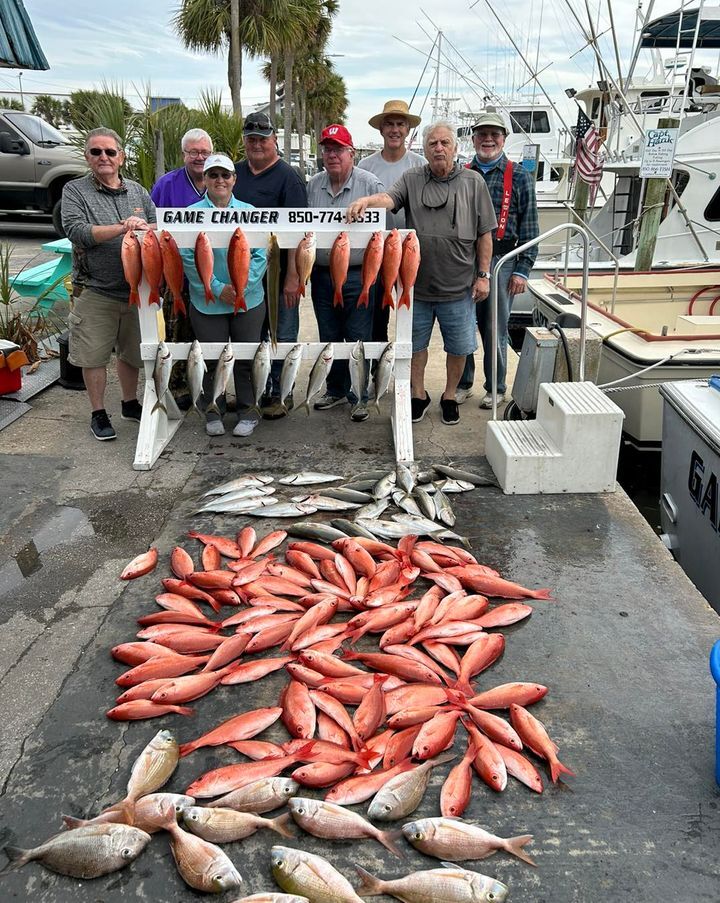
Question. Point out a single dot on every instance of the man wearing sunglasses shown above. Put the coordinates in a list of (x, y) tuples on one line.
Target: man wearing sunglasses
[(184, 186), (450, 209), (512, 189), (336, 186), (97, 210)]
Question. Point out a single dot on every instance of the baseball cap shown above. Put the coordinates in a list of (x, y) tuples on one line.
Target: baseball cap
[(258, 124), (336, 134), (222, 161), (490, 120)]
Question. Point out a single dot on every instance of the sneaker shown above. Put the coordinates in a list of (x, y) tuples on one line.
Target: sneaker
[(450, 412), (244, 427), (131, 410), (418, 406), (462, 395), (359, 412), (329, 401), (215, 428), (486, 401), (101, 427)]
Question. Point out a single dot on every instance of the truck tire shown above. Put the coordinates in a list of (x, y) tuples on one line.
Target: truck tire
[(57, 219)]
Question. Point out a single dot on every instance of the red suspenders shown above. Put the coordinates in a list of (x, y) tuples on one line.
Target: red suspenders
[(507, 198)]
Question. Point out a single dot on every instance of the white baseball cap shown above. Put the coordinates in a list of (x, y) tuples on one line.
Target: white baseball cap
[(220, 160)]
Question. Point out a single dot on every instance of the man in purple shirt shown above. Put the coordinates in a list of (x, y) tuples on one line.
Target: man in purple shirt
[(185, 186)]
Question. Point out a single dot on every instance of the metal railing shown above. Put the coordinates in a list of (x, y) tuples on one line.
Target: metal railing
[(580, 230)]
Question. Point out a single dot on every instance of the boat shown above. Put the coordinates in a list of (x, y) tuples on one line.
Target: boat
[(690, 481)]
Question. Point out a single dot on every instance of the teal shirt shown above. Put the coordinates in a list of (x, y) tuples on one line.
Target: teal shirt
[(254, 293)]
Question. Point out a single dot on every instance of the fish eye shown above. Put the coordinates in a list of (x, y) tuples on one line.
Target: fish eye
[(387, 808), (490, 896), (300, 810), (418, 836), (193, 816), (126, 853)]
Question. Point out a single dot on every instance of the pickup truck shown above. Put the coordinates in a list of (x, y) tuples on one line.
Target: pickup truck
[(36, 160)]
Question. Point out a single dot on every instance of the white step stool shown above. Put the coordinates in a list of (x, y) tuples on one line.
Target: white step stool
[(572, 446)]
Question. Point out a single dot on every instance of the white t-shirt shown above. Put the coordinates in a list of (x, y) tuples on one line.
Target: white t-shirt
[(389, 173)]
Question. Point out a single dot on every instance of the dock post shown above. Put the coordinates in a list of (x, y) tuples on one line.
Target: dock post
[(653, 204)]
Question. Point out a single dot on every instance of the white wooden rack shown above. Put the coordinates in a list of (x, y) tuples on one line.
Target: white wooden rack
[(157, 427)]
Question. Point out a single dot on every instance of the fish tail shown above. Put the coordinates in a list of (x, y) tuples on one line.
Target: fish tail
[(404, 300), (515, 846), (557, 768), (154, 296), (159, 404), (371, 886), (187, 748), (388, 838), (388, 299), (301, 290), (541, 594), (338, 298), (209, 297), (212, 407), (306, 405), (364, 298), (215, 605), (195, 409), (279, 825), (463, 686), (18, 858), (179, 305), (134, 298), (183, 710)]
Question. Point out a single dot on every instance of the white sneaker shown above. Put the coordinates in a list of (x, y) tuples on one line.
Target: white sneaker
[(462, 395), (215, 428), (486, 401), (244, 427)]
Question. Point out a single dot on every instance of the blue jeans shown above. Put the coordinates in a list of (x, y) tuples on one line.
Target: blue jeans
[(341, 324), (457, 325), (483, 313)]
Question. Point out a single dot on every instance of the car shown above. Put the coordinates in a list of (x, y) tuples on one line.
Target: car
[(36, 161)]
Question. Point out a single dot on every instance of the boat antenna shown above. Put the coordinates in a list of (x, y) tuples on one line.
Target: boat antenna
[(615, 44)]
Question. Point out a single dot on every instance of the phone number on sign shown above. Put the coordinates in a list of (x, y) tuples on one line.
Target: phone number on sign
[(329, 216)]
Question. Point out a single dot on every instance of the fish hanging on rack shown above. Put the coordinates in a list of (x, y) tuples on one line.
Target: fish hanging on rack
[(173, 271), (152, 264), (372, 261), (273, 287), (339, 263), (132, 265), (391, 265), (238, 260), (305, 259), (409, 265), (204, 264)]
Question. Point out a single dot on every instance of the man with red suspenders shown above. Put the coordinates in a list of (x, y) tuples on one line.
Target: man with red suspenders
[(512, 190)]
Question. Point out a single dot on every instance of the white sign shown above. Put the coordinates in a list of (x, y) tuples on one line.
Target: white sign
[(286, 219), (658, 153)]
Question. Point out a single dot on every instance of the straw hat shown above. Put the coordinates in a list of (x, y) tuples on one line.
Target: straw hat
[(395, 108)]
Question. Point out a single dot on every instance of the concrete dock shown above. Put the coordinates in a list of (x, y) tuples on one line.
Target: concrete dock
[(624, 650)]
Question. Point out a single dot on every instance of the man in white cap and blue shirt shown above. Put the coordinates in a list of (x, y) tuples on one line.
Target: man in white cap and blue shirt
[(512, 190), (388, 164)]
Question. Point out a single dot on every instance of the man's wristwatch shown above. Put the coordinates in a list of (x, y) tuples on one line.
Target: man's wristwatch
[(483, 275)]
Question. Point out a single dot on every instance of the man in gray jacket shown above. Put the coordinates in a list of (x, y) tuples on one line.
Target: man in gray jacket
[(97, 210)]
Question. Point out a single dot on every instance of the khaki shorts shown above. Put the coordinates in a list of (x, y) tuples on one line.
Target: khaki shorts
[(98, 324)]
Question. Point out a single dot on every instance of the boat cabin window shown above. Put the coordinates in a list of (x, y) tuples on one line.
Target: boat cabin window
[(653, 101), (530, 121), (712, 211), (595, 111)]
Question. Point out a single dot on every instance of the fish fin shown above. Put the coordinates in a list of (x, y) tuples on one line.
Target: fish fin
[(463, 686), (388, 838), (154, 297), (515, 846), (541, 594), (364, 298), (338, 298), (280, 824), (159, 404), (71, 823), (557, 768), (387, 300), (209, 297), (186, 748), (184, 710), (377, 403), (134, 298), (213, 408), (194, 409), (404, 300), (18, 858), (301, 290), (179, 305), (371, 886), (440, 760)]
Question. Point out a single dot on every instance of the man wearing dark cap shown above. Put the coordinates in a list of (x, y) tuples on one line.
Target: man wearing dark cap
[(339, 183), (266, 180), (388, 164), (512, 190)]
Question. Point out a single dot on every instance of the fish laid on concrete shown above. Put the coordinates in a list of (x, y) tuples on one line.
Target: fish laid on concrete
[(240, 483), (392, 255), (318, 375), (238, 505), (154, 766), (332, 822), (196, 370), (205, 264), (161, 375), (372, 261), (201, 864), (457, 841), (224, 368), (402, 794), (456, 473), (409, 266), (225, 825), (452, 884), (305, 259), (324, 502), (238, 264), (312, 876), (272, 898), (534, 735), (87, 852), (140, 565), (288, 509), (307, 478), (173, 271), (151, 813), (273, 287), (259, 796), (131, 257), (339, 263), (152, 264)]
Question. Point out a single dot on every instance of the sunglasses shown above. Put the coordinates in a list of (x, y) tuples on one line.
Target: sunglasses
[(214, 174), (99, 151)]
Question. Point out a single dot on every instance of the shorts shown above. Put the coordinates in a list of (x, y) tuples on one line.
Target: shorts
[(457, 325), (99, 323)]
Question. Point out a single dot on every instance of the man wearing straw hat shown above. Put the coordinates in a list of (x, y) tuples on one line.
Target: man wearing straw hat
[(388, 164)]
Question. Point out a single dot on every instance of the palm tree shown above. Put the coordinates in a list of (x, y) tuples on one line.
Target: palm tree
[(327, 99)]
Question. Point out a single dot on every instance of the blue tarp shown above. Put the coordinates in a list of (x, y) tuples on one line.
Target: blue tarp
[(19, 46)]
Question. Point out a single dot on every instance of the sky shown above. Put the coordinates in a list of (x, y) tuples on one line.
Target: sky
[(378, 47)]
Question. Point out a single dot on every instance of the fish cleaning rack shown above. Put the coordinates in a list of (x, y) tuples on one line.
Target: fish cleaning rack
[(157, 427)]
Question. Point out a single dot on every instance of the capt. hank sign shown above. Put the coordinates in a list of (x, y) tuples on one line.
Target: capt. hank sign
[(658, 153)]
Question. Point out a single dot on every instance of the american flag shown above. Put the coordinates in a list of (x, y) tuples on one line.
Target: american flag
[(588, 160)]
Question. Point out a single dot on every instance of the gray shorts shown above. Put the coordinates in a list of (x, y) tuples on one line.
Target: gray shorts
[(99, 323)]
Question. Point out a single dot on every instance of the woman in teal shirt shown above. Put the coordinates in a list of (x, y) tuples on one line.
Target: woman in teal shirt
[(216, 322)]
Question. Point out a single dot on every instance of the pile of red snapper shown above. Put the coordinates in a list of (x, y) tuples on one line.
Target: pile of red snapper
[(410, 696)]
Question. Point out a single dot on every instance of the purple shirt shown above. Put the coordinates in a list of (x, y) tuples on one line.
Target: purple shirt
[(175, 189)]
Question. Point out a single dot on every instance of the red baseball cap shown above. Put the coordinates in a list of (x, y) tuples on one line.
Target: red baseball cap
[(336, 134)]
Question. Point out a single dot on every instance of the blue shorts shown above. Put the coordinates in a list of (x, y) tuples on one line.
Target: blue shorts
[(457, 325)]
